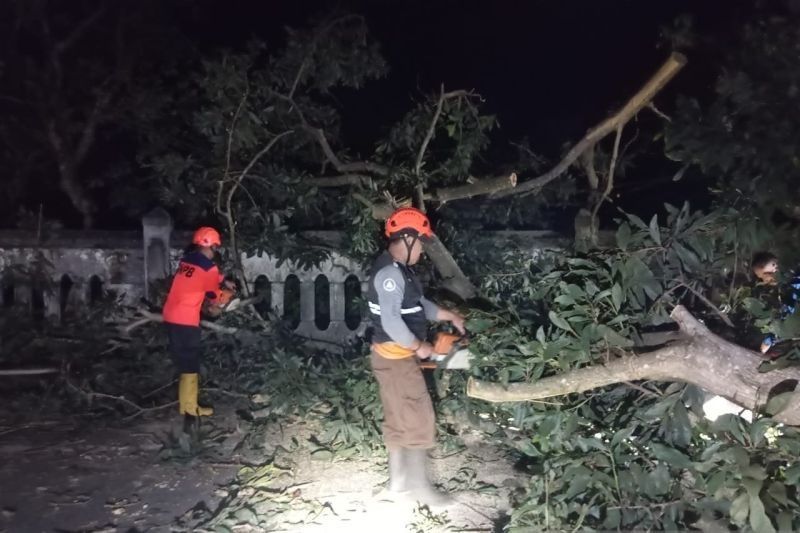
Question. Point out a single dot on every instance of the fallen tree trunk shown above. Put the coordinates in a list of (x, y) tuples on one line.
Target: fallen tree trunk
[(453, 279), (701, 358), (668, 70)]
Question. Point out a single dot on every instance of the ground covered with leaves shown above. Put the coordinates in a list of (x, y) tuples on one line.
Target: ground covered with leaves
[(294, 444)]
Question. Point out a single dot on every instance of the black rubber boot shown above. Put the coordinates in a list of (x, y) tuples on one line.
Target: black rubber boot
[(418, 484), (398, 477)]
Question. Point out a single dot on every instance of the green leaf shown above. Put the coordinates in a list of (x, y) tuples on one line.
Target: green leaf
[(758, 517), (623, 236), (540, 335), (793, 475), (777, 492), (578, 482), (623, 434), (559, 322), (740, 508), (655, 234), (778, 403), (784, 520), (616, 296), (479, 325), (671, 456)]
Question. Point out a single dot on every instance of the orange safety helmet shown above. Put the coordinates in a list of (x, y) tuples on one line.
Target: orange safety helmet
[(408, 220), (206, 236)]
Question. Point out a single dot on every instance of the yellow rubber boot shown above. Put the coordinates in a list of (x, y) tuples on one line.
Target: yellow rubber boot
[(187, 397)]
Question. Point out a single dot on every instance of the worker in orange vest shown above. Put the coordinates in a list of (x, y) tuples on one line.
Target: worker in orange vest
[(399, 314), (196, 281)]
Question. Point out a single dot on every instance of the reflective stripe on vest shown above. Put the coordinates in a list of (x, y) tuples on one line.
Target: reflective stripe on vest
[(375, 309)]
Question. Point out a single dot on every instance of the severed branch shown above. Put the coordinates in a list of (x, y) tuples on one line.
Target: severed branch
[(149, 316), (476, 188), (668, 70), (227, 210), (453, 278), (428, 137), (343, 168), (702, 359), (382, 210)]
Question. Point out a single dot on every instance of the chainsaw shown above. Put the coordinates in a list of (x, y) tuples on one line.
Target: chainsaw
[(450, 352)]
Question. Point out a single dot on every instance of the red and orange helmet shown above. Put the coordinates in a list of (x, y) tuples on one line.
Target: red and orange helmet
[(206, 236), (408, 221)]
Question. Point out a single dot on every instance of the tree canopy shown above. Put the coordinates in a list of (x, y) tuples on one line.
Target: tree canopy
[(250, 138)]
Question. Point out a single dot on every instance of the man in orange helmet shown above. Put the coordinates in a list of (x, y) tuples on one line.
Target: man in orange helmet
[(399, 312), (197, 280)]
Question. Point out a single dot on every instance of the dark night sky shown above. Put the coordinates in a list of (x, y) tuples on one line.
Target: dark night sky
[(549, 69)]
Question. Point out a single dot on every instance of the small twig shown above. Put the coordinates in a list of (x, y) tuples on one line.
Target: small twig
[(226, 393), (642, 389), (652, 107), (157, 317), (612, 167), (710, 305), (171, 383), (28, 371)]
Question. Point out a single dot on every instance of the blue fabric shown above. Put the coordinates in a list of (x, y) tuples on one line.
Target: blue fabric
[(788, 308)]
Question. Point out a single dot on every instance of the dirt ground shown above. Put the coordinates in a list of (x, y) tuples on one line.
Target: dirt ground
[(81, 475)]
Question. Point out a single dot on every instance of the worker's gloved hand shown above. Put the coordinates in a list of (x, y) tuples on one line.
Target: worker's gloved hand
[(425, 350), (767, 343), (445, 315)]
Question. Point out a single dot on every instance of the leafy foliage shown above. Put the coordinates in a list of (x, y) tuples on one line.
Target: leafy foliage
[(740, 137), (625, 457)]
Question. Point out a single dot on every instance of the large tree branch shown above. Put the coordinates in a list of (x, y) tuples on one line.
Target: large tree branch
[(668, 70), (90, 126), (344, 168), (476, 188), (702, 359), (67, 42)]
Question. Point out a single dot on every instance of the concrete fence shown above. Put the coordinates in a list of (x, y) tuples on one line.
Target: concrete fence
[(70, 271)]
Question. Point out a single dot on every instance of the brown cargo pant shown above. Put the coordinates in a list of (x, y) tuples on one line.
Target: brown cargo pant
[(408, 419)]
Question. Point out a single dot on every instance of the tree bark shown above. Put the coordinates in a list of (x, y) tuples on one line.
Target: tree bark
[(668, 70), (477, 188), (702, 359), (453, 279)]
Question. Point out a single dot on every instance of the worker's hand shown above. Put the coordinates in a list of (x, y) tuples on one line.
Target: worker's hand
[(425, 350), (454, 318), (765, 346), (213, 310), (229, 284)]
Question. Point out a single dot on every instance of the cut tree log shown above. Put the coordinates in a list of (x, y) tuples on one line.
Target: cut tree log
[(642, 98), (701, 358)]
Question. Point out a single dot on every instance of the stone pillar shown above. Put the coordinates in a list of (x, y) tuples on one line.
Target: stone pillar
[(277, 298), (156, 231), (307, 300), (52, 304), (23, 296), (337, 302)]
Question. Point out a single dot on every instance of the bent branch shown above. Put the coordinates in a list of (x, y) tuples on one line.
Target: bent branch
[(702, 359), (668, 70)]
